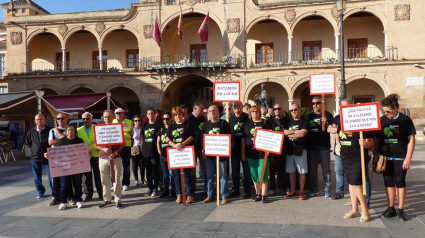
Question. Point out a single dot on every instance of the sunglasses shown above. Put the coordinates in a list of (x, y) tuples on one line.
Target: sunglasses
[(60, 118), (277, 108), (316, 103), (293, 110), (166, 119), (137, 120), (86, 119)]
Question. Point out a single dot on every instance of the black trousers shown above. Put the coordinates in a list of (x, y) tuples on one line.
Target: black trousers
[(138, 165), (152, 172), (94, 162), (277, 168), (125, 157)]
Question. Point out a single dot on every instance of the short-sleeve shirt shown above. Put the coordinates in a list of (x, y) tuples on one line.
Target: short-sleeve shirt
[(162, 134), (300, 124), (249, 133), (178, 133), (318, 139), (214, 128), (54, 136), (196, 123), (237, 125), (350, 142), (149, 139), (394, 135)]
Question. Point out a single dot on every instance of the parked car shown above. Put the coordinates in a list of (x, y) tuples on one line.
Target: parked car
[(79, 122)]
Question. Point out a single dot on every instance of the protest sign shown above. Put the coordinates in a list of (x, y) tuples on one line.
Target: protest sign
[(360, 117), (184, 158), (322, 84), (109, 134), (268, 141), (69, 159), (217, 145), (227, 91)]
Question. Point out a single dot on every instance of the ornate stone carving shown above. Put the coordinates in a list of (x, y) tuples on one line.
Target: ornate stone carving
[(217, 75), (190, 2), (291, 81), (335, 13), (62, 29), (290, 15), (100, 27), (147, 31), (16, 38), (402, 12), (148, 88), (233, 25)]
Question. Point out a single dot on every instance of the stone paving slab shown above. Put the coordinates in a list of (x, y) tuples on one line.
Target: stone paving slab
[(139, 234), (314, 231), (251, 228), (191, 226), (84, 223), (8, 219), (84, 232), (30, 231), (163, 213), (124, 224), (203, 235), (37, 221), (356, 232)]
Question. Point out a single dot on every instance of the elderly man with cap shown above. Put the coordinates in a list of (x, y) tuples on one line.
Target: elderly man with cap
[(126, 152)]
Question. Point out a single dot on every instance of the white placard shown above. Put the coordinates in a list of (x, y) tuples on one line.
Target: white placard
[(322, 84), (227, 91), (360, 117), (109, 134), (69, 159), (415, 81), (217, 145), (178, 159), (268, 141)]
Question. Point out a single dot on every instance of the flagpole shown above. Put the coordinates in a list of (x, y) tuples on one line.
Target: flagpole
[(162, 39), (184, 39)]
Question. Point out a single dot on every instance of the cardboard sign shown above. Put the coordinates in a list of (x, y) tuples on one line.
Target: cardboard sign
[(360, 117), (322, 84), (268, 141), (217, 145), (227, 91), (181, 159), (69, 159), (109, 134)]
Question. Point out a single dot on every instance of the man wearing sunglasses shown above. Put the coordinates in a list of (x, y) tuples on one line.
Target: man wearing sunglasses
[(86, 133), (319, 148), (55, 134)]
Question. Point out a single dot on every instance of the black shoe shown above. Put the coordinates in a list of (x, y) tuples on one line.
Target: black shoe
[(234, 193), (103, 204), (389, 213), (265, 199), (164, 195), (401, 215), (257, 198), (88, 198), (173, 196), (246, 196), (337, 196), (54, 202)]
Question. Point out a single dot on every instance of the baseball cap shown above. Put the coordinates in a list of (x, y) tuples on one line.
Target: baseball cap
[(119, 110)]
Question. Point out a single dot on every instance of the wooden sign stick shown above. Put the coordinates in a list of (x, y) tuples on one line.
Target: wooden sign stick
[(263, 171), (323, 111), (218, 180), (183, 188), (363, 164)]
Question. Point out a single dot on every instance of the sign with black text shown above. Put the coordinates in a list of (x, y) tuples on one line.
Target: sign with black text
[(69, 159), (217, 145), (322, 84), (268, 141), (109, 134), (181, 159), (360, 117), (227, 91)]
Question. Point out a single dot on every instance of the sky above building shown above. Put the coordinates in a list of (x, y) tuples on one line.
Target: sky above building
[(66, 6)]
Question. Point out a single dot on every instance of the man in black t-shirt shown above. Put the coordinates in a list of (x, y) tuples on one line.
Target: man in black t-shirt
[(237, 125), (319, 148), (216, 126)]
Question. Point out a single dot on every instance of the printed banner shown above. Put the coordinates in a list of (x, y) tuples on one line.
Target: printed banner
[(69, 159), (360, 117), (180, 159), (227, 91)]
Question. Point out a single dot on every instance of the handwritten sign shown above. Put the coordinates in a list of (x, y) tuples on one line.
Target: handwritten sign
[(322, 84), (360, 117), (109, 134), (217, 145), (180, 159), (227, 91), (69, 159), (268, 141)]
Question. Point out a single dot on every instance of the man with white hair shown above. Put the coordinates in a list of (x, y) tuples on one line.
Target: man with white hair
[(86, 133)]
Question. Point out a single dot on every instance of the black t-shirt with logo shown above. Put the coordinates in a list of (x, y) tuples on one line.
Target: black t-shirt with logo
[(162, 134), (350, 147), (249, 133), (276, 124), (394, 135), (237, 125), (149, 139), (196, 123), (318, 139), (178, 133), (300, 124), (214, 128)]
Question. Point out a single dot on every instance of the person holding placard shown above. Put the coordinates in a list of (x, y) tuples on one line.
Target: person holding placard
[(396, 141), (319, 148), (126, 151), (107, 154), (254, 157), (137, 160), (237, 126), (162, 146), (181, 135), (150, 152), (216, 126), (296, 159)]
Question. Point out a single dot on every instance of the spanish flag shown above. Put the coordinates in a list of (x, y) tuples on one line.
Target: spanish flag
[(180, 24)]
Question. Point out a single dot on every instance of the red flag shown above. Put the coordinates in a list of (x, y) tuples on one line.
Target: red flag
[(203, 30), (156, 35), (180, 24)]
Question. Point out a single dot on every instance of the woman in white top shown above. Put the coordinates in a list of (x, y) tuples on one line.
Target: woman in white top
[(137, 160)]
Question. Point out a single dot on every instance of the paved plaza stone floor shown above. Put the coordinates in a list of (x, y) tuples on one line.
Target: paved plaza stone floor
[(22, 215)]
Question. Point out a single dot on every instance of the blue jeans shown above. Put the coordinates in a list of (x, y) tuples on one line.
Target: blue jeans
[(211, 170), (236, 172), (67, 184), (339, 174), (324, 157), (187, 173), (37, 168), (166, 176)]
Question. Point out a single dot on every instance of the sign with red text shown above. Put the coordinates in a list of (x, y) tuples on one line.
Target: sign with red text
[(181, 159), (322, 84), (268, 141), (69, 159), (360, 117), (217, 145), (109, 134), (227, 91)]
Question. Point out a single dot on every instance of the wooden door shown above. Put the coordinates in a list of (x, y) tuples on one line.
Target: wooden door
[(264, 53)]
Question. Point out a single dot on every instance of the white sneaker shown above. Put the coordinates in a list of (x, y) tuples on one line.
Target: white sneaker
[(125, 188), (80, 204), (153, 193), (62, 206)]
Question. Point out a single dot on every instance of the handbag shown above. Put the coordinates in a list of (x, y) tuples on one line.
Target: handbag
[(298, 149), (380, 164), (135, 150)]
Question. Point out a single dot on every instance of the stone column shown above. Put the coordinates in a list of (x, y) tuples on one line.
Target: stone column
[(100, 58), (290, 49), (337, 39), (63, 59), (290, 101)]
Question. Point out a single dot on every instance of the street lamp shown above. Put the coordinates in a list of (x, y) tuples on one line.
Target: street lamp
[(340, 5)]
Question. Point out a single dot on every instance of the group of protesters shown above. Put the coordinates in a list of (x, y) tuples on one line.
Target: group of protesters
[(306, 145)]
